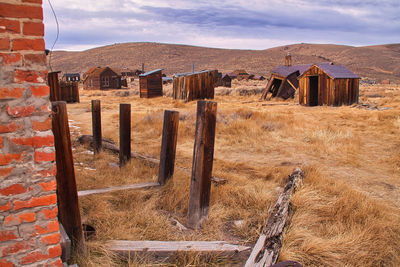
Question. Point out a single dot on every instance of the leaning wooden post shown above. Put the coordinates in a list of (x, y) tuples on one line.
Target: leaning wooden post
[(124, 133), (168, 146), (203, 153), (96, 126), (68, 204)]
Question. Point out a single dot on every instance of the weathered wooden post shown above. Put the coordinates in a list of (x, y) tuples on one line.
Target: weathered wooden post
[(203, 154), (168, 146), (68, 204), (96, 126), (54, 85), (124, 133)]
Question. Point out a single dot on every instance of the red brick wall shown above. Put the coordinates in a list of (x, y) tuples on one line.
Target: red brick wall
[(29, 230)]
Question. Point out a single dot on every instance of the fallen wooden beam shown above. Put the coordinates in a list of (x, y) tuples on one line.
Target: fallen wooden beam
[(163, 248), (117, 188), (267, 248), (109, 145)]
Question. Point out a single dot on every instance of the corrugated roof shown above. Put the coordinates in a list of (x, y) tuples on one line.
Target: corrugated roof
[(150, 72), (337, 71)]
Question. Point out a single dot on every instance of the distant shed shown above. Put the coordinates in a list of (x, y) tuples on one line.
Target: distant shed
[(151, 84), (194, 85), (328, 84), (241, 75), (71, 77), (101, 79), (283, 81), (226, 80)]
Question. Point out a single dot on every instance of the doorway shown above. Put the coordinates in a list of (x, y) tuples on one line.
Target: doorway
[(313, 99)]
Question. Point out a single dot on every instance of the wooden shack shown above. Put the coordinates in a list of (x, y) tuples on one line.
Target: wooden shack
[(241, 75), (328, 84), (283, 81), (226, 80), (194, 85), (71, 77), (101, 79), (151, 84)]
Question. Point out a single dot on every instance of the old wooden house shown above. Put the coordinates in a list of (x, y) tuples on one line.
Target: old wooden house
[(241, 75), (194, 85), (232, 75), (283, 81), (101, 79), (71, 77), (328, 84), (226, 80), (151, 84)]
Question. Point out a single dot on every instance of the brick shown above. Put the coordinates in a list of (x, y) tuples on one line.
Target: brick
[(49, 213), (4, 43), (44, 156), (51, 227), (49, 186), (23, 76), (32, 59), (51, 239), (47, 173), (20, 11), (33, 257), (33, 28), (35, 202), (14, 189), (1, 142), (6, 159), (8, 128), (8, 235), (41, 125), (20, 111), (11, 59), (17, 219), (40, 90), (4, 172), (15, 247), (28, 44), (36, 141), (5, 207), (6, 263), (11, 93), (57, 263), (11, 26)]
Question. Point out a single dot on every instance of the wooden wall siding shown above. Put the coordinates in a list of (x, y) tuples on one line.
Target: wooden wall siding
[(151, 85), (194, 86), (114, 80), (69, 92), (332, 92)]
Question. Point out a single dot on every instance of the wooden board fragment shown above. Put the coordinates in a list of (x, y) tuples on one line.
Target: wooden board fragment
[(117, 188), (267, 248)]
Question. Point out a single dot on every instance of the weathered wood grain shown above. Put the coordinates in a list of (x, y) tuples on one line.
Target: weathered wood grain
[(267, 248), (96, 126), (124, 133), (117, 188)]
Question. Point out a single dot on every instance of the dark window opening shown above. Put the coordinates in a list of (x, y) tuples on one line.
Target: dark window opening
[(313, 81)]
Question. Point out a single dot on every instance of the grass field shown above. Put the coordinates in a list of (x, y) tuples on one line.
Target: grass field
[(346, 214)]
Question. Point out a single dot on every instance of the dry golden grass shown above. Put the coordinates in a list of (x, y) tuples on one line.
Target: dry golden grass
[(346, 214)]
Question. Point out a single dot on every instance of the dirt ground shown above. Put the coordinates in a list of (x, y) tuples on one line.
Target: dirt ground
[(346, 214)]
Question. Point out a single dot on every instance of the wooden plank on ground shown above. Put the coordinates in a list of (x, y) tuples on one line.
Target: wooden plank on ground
[(117, 188), (267, 248), (174, 246)]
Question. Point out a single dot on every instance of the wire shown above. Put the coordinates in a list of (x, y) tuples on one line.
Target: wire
[(58, 33)]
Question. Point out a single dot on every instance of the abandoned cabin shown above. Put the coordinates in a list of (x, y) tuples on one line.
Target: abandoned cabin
[(258, 78), (241, 75), (232, 75), (151, 84), (226, 81), (328, 84), (101, 79), (194, 85), (71, 77)]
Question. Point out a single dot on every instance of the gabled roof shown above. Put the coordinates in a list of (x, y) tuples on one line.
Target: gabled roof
[(150, 72), (232, 75), (287, 70), (96, 71), (226, 75), (337, 71)]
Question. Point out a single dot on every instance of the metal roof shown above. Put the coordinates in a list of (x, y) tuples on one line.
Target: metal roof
[(150, 72), (189, 73), (337, 71), (287, 70)]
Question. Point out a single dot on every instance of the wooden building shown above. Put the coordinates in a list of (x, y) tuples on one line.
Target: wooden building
[(226, 81), (328, 84), (101, 79), (194, 85), (232, 75), (241, 75), (258, 78), (283, 81), (71, 77), (151, 84)]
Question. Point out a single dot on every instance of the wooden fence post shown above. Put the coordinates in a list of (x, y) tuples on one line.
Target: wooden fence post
[(54, 85), (68, 204), (203, 154), (124, 133), (96, 126), (168, 146)]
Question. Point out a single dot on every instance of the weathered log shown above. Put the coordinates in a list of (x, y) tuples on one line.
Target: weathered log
[(108, 144), (117, 188), (267, 248)]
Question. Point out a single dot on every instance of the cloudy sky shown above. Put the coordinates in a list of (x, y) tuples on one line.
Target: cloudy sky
[(243, 24)]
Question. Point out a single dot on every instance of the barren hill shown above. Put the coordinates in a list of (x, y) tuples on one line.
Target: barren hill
[(375, 62)]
